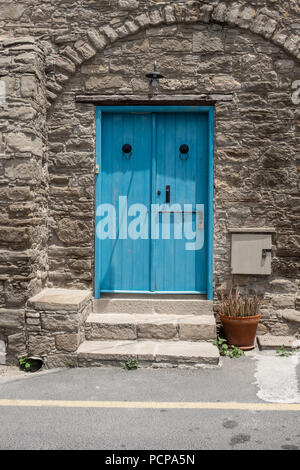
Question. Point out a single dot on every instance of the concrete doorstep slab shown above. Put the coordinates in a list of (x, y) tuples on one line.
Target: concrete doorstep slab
[(179, 352)]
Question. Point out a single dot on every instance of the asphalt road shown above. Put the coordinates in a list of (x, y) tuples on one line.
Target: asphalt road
[(227, 409)]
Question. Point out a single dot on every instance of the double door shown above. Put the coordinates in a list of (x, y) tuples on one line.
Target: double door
[(151, 202)]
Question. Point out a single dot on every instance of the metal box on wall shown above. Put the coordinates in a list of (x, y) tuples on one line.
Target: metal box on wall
[(251, 251)]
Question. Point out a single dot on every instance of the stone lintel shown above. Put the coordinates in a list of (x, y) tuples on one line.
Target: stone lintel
[(251, 230), (195, 100)]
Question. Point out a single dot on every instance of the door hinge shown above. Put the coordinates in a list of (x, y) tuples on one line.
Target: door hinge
[(96, 169)]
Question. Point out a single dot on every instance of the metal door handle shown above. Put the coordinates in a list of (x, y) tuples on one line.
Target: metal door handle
[(168, 191), (265, 251)]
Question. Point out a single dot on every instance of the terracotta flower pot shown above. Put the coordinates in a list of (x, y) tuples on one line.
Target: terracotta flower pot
[(240, 331)]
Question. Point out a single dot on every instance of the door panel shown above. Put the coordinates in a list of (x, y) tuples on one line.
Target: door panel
[(125, 262), (176, 267)]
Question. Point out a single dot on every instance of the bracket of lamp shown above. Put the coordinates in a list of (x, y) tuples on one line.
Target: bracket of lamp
[(154, 76)]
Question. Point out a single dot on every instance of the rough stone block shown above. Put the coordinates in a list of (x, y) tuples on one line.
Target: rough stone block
[(219, 12), (225, 83), (65, 64), (131, 26), (194, 332), (68, 342), (291, 315), (156, 330), (16, 344), (169, 12), (261, 329), (281, 329), (207, 42), (73, 55), (128, 4), (61, 360), (40, 345), (204, 14), (156, 17), (245, 17), (71, 231), (233, 13), (28, 86), (11, 319), (98, 40), (85, 49), (110, 33), (283, 301), (263, 25), (101, 83), (111, 331), (19, 142), (143, 20)]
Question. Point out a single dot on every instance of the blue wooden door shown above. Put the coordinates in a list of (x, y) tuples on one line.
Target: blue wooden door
[(151, 202)]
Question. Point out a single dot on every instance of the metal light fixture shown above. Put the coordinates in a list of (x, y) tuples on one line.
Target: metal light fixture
[(154, 76)]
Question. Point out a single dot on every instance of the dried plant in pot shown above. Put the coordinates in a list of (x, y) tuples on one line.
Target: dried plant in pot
[(240, 317)]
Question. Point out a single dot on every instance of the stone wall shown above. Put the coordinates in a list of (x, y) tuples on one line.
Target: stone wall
[(23, 183), (256, 137), (242, 55), (55, 321)]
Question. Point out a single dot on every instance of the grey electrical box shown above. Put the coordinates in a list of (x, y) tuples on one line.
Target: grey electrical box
[(251, 253)]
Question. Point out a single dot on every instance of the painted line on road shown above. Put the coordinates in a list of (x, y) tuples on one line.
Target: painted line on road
[(153, 405)]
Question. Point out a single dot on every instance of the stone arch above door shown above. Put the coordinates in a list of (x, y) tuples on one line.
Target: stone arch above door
[(238, 14)]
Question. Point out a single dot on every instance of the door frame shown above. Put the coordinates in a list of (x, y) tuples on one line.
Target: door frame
[(158, 109)]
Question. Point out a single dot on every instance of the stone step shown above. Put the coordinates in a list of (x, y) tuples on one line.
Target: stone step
[(153, 305), (125, 326), (275, 342), (99, 353)]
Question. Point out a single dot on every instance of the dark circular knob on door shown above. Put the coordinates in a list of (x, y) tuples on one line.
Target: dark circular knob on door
[(158, 192), (184, 148), (126, 148)]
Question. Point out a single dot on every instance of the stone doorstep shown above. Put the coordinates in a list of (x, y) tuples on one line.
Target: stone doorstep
[(152, 326), (275, 342), (162, 306), (149, 351), (60, 299)]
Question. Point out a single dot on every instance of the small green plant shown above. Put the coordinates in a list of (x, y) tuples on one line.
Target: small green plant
[(229, 351), (71, 364), (283, 352), (131, 364), (28, 364)]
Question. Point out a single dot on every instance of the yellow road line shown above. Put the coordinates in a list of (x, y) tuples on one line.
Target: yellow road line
[(154, 405)]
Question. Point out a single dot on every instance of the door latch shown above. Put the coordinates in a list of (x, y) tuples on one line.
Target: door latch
[(265, 251), (168, 191)]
